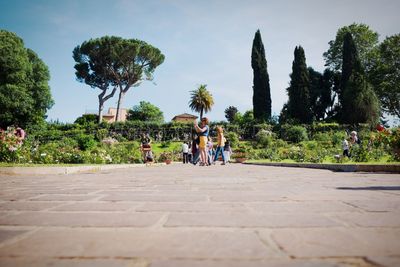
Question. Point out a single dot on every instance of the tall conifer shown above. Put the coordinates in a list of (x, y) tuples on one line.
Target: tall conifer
[(298, 106), (261, 88), (358, 100)]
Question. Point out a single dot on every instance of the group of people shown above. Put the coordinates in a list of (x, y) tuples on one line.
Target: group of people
[(347, 143), (201, 149)]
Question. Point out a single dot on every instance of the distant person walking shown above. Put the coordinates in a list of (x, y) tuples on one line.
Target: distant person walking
[(210, 151), (220, 145), (185, 152), (203, 131)]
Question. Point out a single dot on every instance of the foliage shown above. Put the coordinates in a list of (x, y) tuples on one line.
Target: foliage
[(365, 40), (233, 138), (386, 75), (24, 91), (264, 138), (114, 62), (230, 113), (294, 133), (298, 105), (145, 111), (359, 102), (93, 59), (101, 134), (201, 100), (388, 140), (261, 89), (322, 90), (87, 119), (165, 156), (86, 142)]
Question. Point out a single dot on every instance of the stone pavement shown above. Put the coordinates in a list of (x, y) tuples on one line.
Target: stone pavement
[(181, 215)]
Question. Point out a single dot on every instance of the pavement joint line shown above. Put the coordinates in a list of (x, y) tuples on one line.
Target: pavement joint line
[(270, 243)]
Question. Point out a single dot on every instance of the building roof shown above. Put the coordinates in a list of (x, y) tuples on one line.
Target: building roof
[(185, 115)]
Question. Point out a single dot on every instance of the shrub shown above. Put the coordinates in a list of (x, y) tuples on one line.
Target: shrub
[(233, 138), (101, 134), (294, 133), (264, 138), (338, 137), (324, 137), (325, 127), (310, 145), (87, 119), (359, 154), (86, 142)]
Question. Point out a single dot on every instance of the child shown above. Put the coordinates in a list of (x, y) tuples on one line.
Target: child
[(227, 151), (185, 152), (345, 146)]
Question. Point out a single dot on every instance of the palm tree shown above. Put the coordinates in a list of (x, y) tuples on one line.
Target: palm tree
[(201, 100)]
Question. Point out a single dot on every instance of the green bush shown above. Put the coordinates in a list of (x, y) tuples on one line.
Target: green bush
[(264, 138), (101, 134), (233, 138), (338, 137), (310, 145), (87, 119), (294, 133), (86, 142)]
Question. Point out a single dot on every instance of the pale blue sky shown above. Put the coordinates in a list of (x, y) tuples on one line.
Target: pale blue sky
[(204, 42)]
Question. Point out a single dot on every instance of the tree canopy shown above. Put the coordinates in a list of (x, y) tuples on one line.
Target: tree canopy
[(230, 113), (201, 100), (261, 89), (386, 75), (145, 111), (365, 40), (112, 62), (25, 93)]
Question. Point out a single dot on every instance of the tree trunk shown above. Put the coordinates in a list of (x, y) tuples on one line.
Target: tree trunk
[(101, 105), (201, 113), (120, 97), (102, 100)]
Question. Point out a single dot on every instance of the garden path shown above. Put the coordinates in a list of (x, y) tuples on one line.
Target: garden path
[(182, 215)]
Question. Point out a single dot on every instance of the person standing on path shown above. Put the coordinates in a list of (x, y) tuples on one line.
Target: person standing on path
[(185, 152), (345, 146), (227, 151), (203, 131), (220, 145), (210, 151)]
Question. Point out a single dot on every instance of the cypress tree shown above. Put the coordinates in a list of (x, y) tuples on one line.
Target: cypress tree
[(298, 106), (261, 88), (358, 100)]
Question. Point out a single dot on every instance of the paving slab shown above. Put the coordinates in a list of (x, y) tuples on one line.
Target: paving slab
[(75, 262), (173, 243), (183, 215), (92, 219), (338, 242), (246, 219)]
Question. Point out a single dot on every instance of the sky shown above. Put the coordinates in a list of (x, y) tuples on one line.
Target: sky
[(204, 42)]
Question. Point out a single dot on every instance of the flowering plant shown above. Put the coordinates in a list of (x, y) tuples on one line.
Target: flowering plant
[(10, 144)]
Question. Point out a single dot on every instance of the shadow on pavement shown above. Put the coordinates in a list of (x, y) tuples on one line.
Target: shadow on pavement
[(394, 188)]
